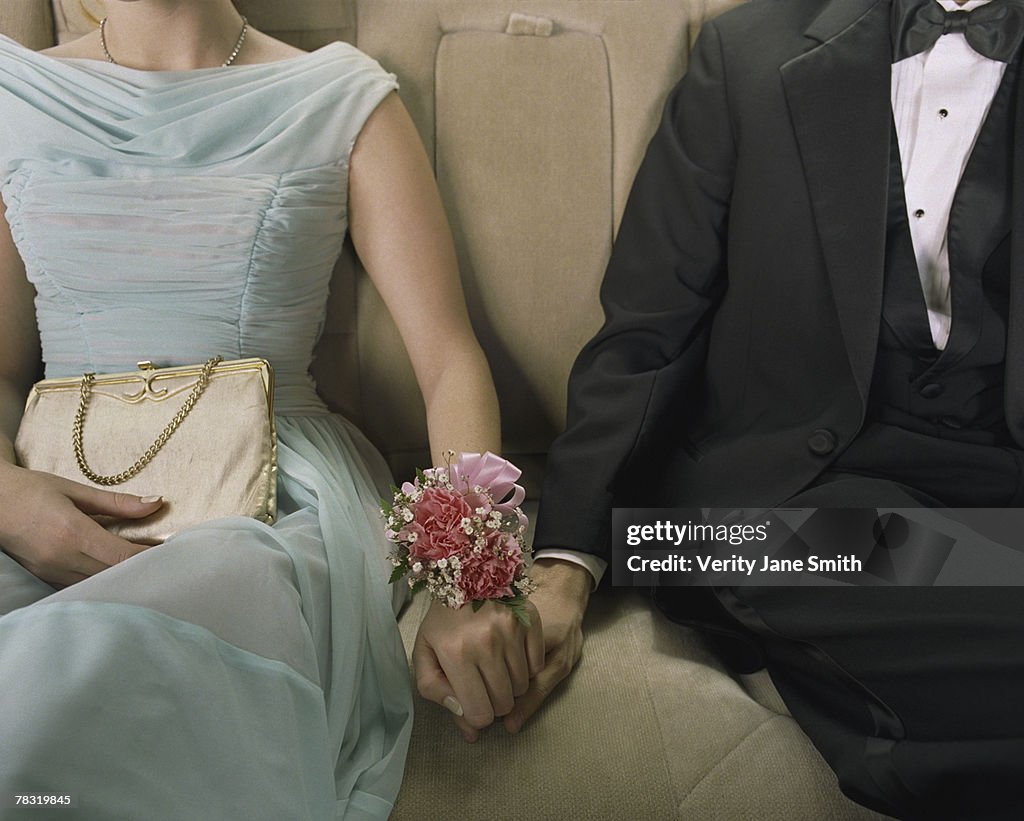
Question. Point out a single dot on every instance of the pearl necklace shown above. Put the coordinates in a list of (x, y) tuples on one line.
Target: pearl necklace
[(225, 64)]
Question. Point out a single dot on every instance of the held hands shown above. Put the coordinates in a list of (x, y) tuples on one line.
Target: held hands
[(476, 664), (45, 525), (488, 665)]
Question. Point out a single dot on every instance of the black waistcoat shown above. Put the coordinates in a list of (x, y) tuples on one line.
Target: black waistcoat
[(956, 393)]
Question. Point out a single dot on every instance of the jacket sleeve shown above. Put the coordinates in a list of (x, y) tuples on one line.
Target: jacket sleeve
[(666, 274)]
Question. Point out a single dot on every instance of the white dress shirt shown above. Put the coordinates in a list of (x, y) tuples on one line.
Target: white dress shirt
[(595, 564), (939, 101)]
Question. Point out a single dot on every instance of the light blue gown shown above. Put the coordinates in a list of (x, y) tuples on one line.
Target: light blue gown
[(238, 670)]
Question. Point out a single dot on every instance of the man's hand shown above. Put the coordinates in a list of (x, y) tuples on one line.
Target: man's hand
[(563, 590), (486, 664)]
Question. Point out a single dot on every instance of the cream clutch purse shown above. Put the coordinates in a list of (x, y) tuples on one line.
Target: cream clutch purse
[(201, 436)]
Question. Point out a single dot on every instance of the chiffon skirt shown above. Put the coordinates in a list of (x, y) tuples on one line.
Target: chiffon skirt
[(236, 671)]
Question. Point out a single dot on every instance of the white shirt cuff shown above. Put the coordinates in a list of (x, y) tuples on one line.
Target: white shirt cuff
[(595, 565)]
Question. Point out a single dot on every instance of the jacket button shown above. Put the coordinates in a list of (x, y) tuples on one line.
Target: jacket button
[(932, 390), (822, 442)]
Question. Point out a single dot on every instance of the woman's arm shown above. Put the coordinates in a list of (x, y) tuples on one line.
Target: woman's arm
[(44, 519), (476, 664), (402, 237)]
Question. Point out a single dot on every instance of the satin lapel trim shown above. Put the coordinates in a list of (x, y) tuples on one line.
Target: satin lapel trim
[(838, 95), (1014, 398), (979, 219)]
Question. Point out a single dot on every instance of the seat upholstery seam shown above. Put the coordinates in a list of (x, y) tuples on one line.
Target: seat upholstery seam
[(742, 743)]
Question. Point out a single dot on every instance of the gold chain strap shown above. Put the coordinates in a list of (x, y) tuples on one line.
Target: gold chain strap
[(161, 440)]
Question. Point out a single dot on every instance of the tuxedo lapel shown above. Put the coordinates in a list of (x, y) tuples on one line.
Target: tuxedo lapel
[(1014, 399), (838, 93), (979, 220)]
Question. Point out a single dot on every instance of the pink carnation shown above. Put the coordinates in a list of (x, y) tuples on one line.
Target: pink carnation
[(490, 576), (437, 524)]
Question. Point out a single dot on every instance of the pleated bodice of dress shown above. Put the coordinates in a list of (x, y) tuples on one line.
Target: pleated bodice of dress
[(171, 216)]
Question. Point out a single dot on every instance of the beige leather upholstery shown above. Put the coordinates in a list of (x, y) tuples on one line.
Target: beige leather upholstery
[(536, 114)]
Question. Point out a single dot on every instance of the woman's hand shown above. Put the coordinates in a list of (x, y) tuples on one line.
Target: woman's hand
[(45, 525), (478, 663), (477, 658)]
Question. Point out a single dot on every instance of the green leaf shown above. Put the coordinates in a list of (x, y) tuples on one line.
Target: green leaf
[(477, 604), (385, 507), (421, 477), (521, 616), (517, 604), (417, 586), (397, 574)]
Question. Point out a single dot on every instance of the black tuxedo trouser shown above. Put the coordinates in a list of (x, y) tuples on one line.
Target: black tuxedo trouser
[(914, 696)]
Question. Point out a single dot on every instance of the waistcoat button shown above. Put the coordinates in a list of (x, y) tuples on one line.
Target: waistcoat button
[(822, 442)]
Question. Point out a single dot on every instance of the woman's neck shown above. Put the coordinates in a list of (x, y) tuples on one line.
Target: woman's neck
[(171, 35)]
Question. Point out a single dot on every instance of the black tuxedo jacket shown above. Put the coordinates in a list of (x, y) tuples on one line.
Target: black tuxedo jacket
[(744, 292)]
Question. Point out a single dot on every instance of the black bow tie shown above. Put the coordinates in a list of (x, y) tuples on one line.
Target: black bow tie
[(993, 30)]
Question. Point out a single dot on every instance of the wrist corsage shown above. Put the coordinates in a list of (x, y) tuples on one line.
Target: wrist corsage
[(459, 532)]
